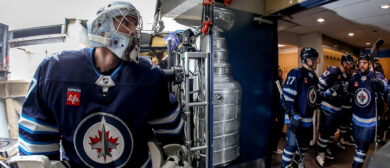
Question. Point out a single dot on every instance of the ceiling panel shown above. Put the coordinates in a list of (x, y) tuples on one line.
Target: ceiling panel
[(362, 17)]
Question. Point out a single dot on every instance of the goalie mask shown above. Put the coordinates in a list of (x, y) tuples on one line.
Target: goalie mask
[(117, 27)]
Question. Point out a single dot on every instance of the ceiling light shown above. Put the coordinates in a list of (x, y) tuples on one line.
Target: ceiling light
[(350, 34), (385, 6), (368, 43), (320, 20), (281, 45)]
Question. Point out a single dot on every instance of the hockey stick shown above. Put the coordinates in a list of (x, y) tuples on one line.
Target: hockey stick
[(374, 48), (301, 163)]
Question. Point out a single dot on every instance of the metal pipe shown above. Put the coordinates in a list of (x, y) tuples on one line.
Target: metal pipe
[(192, 55), (198, 104), (198, 148), (187, 107), (207, 86)]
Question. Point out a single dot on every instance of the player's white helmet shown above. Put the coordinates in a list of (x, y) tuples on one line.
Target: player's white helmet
[(102, 31)]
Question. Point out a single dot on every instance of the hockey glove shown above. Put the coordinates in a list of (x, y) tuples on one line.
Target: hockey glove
[(295, 122), (377, 85)]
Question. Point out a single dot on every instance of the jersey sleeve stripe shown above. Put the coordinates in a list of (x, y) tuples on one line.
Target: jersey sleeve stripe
[(288, 98), (290, 91), (168, 119), (41, 153), (321, 87), (35, 125), (37, 148), (36, 132), (33, 85), (329, 107), (174, 131), (346, 107), (37, 142), (323, 82)]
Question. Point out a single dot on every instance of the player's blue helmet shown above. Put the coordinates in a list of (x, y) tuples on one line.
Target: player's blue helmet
[(308, 52), (102, 32), (364, 57), (347, 58)]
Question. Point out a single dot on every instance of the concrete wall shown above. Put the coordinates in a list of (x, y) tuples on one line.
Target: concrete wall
[(12, 95)]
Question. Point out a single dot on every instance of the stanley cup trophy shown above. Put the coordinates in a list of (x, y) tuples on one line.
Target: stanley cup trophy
[(226, 95)]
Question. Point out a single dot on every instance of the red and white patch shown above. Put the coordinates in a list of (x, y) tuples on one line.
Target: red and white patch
[(305, 80), (356, 84), (73, 97)]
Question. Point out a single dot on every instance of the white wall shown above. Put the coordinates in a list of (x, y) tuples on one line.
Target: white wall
[(23, 61), (314, 40)]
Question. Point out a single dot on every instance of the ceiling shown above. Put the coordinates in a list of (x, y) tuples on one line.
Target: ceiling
[(364, 18)]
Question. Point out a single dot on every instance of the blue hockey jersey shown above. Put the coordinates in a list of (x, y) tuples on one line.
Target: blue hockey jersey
[(97, 127), (300, 92), (332, 76), (364, 98)]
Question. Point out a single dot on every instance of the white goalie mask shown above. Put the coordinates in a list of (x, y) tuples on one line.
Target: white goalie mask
[(117, 26)]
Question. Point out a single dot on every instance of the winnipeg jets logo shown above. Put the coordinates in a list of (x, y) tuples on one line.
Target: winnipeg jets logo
[(102, 139), (104, 144), (362, 97), (73, 97), (312, 96)]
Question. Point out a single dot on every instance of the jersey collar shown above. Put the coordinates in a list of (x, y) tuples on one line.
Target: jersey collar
[(91, 51)]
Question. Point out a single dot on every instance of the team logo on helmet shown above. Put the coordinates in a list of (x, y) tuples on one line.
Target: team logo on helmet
[(312, 96), (103, 140), (362, 97)]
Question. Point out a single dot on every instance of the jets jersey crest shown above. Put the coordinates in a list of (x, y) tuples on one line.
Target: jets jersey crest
[(362, 97), (102, 138), (312, 96)]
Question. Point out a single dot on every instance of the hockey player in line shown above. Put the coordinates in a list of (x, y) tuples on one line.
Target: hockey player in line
[(333, 85), (102, 103), (364, 85), (300, 93)]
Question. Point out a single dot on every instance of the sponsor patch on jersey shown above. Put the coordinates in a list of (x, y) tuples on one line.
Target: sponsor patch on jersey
[(73, 97), (339, 77), (312, 96), (356, 84), (362, 97), (305, 79), (103, 140)]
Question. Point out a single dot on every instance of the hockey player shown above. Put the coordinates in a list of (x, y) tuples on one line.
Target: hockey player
[(101, 103), (364, 85), (300, 92), (333, 85)]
